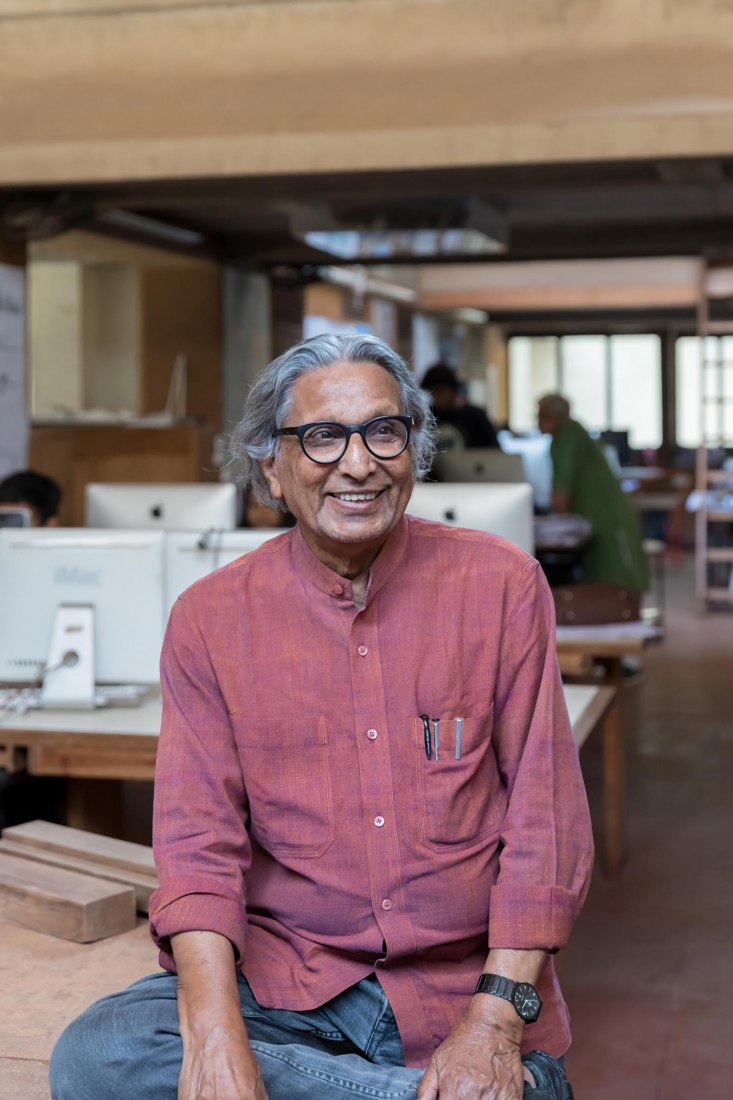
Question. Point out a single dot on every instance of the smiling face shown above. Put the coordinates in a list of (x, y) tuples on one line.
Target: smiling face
[(345, 510)]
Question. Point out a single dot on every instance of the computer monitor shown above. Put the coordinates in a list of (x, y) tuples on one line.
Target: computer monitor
[(535, 452), (480, 464), (189, 557), (504, 510), (15, 515), (120, 575), (174, 506)]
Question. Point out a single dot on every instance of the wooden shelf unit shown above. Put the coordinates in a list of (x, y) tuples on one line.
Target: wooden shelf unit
[(716, 283)]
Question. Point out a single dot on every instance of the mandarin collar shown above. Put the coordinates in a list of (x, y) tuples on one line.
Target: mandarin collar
[(333, 584)]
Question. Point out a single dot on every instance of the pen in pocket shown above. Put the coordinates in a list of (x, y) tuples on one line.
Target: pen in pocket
[(426, 734)]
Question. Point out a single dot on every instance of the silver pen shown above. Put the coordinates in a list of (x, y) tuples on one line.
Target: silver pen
[(436, 723), (459, 723)]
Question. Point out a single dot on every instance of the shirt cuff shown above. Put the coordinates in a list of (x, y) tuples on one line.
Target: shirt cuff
[(531, 918), (183, 905)]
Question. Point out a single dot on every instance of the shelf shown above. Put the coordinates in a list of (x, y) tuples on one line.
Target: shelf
[(720, 553)]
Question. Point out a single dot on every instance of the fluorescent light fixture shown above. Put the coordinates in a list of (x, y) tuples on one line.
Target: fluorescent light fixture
[(409, 229), (383, 244), (151, 227)]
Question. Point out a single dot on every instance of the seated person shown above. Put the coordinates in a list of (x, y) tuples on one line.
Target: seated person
[(584, 484), (450, 407), (339, 872), (41, 495)]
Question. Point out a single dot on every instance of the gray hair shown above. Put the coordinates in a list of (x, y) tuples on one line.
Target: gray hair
[(270, 400), (556, 405)]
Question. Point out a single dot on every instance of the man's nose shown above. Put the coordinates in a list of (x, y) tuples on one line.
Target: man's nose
[(357, 460)]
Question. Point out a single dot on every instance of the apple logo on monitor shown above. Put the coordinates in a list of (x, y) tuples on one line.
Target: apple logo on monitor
[(156, 512)]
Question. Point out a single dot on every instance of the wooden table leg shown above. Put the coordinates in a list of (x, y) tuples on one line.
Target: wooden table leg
[(615, 813)]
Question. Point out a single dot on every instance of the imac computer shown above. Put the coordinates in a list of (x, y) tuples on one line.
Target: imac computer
[(174, 506), (480, 464), (80, 608), (189, 557), (535, 452), (15, 515), (504, 510)]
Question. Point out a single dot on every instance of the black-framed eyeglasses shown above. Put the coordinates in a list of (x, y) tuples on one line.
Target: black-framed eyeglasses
[(325, 441)]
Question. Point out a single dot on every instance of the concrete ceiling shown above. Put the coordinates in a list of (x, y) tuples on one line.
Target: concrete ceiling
[(599, 211)]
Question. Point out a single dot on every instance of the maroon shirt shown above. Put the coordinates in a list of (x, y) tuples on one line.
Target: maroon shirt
[(297, 814)]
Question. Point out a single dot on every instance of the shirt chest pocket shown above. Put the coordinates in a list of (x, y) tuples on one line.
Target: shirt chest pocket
[(287, 776), (462, 797)]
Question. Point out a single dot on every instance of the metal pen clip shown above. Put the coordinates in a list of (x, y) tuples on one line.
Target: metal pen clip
[(459, 723), (436, 723)]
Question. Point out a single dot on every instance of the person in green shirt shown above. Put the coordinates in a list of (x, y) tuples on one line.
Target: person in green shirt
[(584, 484)]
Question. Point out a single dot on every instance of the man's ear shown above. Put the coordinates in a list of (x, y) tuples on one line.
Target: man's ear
[(269, 469)]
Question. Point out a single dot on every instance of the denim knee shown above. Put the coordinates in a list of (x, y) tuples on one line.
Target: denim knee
[(125, 1046), (76, 1067)]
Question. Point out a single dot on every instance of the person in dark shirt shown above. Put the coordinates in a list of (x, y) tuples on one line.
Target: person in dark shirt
[(450, 407), (39, 494)]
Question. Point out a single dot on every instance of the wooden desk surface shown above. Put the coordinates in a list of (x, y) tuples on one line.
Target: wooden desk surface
[(607, 640), (587, 706)]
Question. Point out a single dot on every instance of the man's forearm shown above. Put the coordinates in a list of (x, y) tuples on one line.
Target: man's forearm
[(520, 966), (208, 997)]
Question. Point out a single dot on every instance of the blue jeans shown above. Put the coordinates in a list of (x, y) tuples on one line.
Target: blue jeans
[(128, 1047)]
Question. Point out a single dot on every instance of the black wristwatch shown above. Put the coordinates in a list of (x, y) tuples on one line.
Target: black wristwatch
[(522, 995)]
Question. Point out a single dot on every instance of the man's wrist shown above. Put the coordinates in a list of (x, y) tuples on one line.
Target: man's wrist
[(522, 996), (495, 1013)]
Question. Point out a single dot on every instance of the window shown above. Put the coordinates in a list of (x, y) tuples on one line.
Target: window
[(612, 382), (717, 353)]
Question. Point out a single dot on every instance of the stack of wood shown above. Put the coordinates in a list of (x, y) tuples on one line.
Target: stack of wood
[(73, 884)]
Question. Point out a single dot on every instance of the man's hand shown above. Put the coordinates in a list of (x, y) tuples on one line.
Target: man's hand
[(218, 1061), (480, 1059), (220, 1067)]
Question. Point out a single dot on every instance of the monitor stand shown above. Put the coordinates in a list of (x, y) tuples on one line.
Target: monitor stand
[(68, 681)]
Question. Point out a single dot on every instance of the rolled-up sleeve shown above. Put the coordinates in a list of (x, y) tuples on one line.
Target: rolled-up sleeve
[(200, 812), (546, 842)]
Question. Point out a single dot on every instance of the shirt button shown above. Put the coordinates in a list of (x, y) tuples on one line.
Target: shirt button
[(379, 822), (386, 904), (337, 590), (372, 735), (362, 651)]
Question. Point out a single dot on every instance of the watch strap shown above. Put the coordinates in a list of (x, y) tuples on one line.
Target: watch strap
[(500, 987)]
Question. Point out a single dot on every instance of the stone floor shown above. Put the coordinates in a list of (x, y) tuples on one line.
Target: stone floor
[(649, 971), (650, 968)]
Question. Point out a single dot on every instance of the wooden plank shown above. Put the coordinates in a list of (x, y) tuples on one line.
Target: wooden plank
[(143, 885), (90, 846), (62, 903)]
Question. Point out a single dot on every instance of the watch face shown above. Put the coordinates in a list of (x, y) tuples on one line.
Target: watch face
[(527, 1002)]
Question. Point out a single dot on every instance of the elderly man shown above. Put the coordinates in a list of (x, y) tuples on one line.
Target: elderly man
[(368, 803), (584, 483)]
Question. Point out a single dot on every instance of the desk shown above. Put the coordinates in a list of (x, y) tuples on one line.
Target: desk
[(86, 747), (578, 647), (591, 708), (120, 743)]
